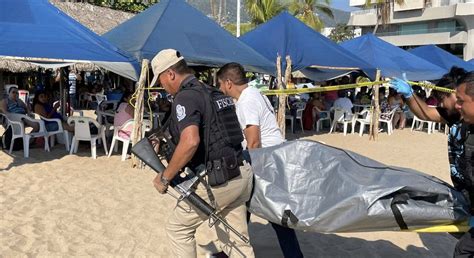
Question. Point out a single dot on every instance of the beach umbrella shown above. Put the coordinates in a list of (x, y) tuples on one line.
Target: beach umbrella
[(441, 57), (286, 35), (391, 60), (38, 32), (176, 24)]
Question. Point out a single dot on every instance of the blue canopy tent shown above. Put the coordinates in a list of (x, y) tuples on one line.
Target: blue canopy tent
[(391, 60), (36, 31), (441, 57), (176, 24), (286, 35), (471, 61)]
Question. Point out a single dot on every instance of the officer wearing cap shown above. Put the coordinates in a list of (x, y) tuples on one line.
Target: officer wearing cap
[(205, 130)]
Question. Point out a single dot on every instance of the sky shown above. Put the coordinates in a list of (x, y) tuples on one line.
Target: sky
[(341, 4)]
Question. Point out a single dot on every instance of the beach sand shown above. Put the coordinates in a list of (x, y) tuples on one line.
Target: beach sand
[(54, 204)]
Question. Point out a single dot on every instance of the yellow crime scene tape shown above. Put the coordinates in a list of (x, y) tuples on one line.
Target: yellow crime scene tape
[(337, 87), (347, 86)]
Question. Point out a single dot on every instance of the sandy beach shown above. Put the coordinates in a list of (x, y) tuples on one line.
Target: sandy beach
[(54, 204)]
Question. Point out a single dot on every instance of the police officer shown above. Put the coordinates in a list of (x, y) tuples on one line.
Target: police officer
[(201, 126), (457, 111)]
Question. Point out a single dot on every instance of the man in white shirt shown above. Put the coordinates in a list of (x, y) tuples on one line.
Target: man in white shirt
[(343, 102), (258, 122)]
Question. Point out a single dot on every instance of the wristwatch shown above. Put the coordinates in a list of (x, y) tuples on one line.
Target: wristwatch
[(165, 181)]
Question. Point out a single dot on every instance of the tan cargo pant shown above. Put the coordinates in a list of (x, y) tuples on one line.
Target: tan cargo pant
[(230, 198)]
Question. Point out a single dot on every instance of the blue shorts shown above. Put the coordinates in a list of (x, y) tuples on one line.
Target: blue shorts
[(52, 126)]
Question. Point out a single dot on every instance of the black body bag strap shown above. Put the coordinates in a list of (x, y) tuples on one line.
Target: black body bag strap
[(402, 198), (287, 214)]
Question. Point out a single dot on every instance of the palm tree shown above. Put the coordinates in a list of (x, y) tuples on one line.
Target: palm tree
[(260, 11), (305, 11), (383, 9)]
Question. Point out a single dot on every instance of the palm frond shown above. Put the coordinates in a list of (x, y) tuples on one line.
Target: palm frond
[(324, 9)]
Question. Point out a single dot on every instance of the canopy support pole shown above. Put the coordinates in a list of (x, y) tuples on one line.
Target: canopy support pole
[(138, 132), (281, 99), (375, 110)]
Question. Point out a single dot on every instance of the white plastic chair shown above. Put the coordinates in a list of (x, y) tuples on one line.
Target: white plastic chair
[(51, 134), (322, 119), (420, 124), (299, 116), (340, 118), (365, 120), (125, 140), (389, 120), (82, 133), (15, 121)]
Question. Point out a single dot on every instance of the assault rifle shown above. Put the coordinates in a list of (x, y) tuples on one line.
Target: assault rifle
[(184, 186)]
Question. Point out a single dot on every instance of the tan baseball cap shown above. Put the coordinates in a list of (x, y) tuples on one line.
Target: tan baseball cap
[(162, 61)]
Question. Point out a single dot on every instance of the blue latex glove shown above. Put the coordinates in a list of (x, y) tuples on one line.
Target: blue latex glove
[(402, 86)]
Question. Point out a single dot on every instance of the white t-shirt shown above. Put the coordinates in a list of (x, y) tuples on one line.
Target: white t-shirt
[(343, 103), (253, 108), (72, 82)]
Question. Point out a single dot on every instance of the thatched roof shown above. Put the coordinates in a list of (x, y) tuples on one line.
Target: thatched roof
[(98, 19), (16, 66)]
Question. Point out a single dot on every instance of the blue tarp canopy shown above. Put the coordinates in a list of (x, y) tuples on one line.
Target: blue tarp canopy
[(441, 57), (471, 61), (36, 31), (321, 75), (392, 60), (175, 24), (286, 35)]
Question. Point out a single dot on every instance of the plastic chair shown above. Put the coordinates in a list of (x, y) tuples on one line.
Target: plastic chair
[(82, 133), (389, 120), (24, 95), (420, 124), (322, 119), (340, 118), (291, 118), (365, 120), (15, 121), (51, 134), (7, 88), (299, 116), (125, 140)]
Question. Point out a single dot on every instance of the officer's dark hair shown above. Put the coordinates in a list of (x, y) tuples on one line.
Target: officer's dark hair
[(450, 80), (468, 79), (181, 67), (233, 72)]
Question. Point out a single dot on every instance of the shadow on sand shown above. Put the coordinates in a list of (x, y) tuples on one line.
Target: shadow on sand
[(332, 245)]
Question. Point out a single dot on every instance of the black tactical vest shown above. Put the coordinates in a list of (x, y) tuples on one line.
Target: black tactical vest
[(225, 135), (466, 162)]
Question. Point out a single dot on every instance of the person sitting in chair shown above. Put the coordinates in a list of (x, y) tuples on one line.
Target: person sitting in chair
[(43, 107), (13, 104)]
